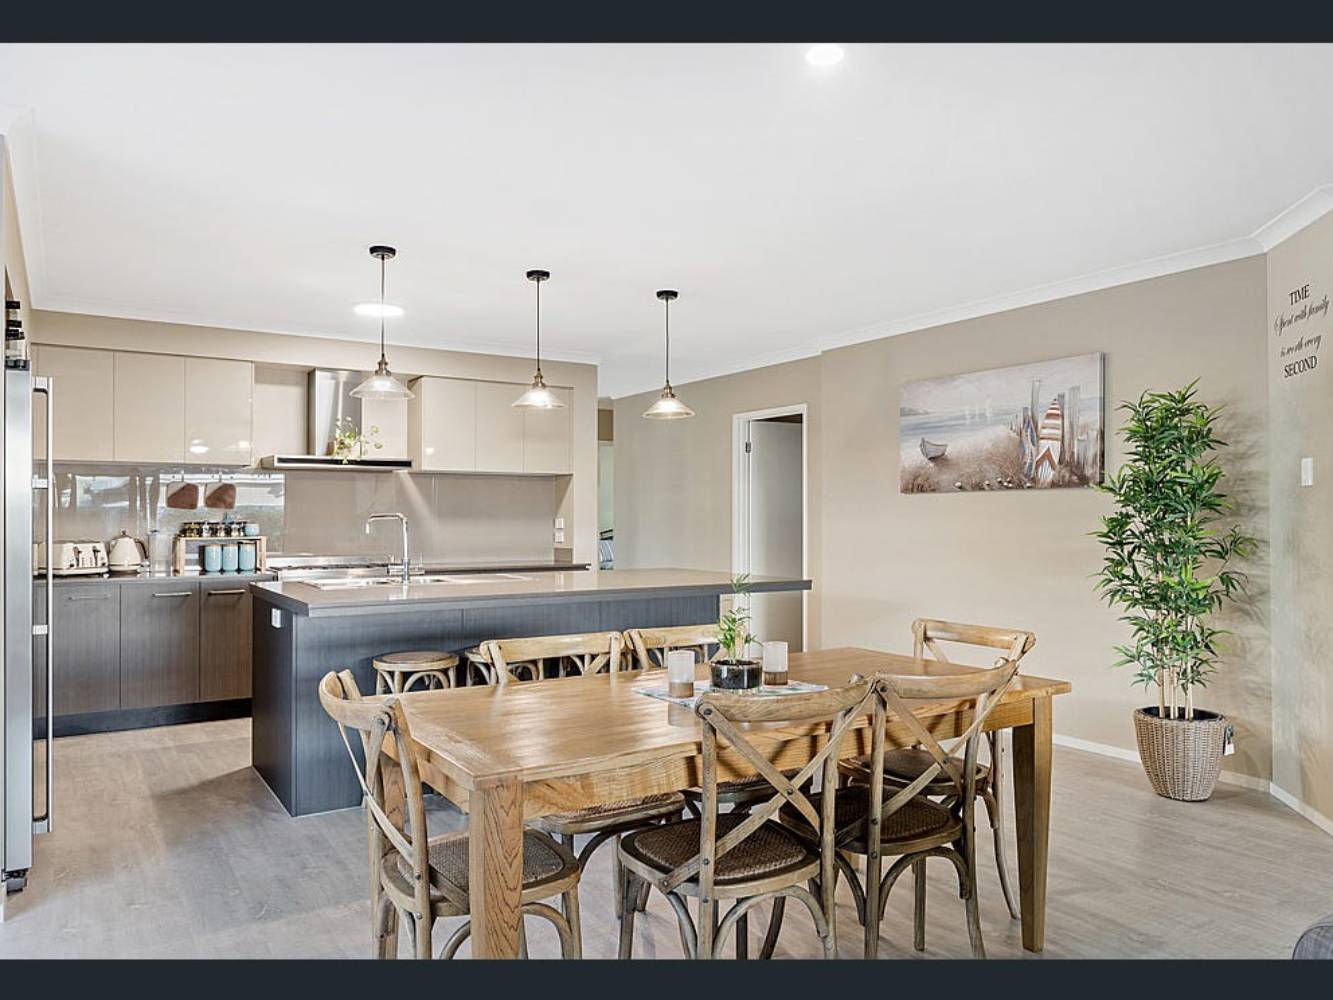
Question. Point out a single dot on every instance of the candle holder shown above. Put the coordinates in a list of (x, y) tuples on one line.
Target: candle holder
[(775, 664), (680, 673)]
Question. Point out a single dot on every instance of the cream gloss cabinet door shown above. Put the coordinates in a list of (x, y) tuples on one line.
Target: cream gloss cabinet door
[(499, 427), (546, 437), (442, 425), (149, 401), (218, 411), (83, 404)]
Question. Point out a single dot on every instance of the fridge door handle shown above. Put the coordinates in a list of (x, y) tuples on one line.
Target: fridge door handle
[(43, 823)]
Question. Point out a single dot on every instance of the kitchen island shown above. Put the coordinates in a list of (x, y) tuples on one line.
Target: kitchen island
[(303, 630)]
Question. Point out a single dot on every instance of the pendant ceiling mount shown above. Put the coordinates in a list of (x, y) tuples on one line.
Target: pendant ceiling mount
[(539, 396), (382, 384), (668, 405)]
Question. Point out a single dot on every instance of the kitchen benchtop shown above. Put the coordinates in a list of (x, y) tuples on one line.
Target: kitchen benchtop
[(588, 585)]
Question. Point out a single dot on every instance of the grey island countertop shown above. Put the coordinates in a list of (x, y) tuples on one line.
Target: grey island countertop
[(498, 590)]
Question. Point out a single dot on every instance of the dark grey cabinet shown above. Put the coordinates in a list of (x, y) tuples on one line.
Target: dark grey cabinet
[(224, 641), (86, 623), (159, 643)]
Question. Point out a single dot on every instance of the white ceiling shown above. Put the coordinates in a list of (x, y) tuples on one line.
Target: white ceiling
[(793, 207)]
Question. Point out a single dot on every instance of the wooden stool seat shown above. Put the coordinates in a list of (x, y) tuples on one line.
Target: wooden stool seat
[(397, 673)]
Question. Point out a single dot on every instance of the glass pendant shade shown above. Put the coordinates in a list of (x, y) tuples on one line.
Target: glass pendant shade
[(382, 385), (539, 396), (668, 407)]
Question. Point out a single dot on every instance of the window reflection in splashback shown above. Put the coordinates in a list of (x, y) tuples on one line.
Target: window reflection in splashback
[(99, 504)]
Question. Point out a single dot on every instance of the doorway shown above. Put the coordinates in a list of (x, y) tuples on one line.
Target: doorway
[(769, 523)]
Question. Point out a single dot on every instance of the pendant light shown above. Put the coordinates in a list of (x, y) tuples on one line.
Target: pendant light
[(538, 395), (382, 384), (668, 406)]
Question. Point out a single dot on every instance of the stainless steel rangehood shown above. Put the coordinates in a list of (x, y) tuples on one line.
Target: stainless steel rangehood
[(331, 405)]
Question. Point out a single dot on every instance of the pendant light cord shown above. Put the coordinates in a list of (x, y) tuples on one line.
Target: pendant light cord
[(539, 327), (667, 303), (383, 359)]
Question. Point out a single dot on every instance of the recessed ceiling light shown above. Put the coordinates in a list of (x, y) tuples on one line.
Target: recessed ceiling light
[(824, 54), (375, 310)]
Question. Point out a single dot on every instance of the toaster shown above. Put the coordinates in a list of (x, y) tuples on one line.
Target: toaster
[(72, 558)]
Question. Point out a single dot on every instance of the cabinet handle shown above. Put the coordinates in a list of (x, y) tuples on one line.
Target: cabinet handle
[(86, 597), (225, 593), (174, 593)]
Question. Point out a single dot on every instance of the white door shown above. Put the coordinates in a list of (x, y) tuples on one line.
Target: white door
[(775, 525)]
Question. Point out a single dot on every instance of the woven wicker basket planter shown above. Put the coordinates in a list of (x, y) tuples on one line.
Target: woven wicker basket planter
[(1182, 757)]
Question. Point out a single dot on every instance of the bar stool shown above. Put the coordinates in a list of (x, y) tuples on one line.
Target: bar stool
[(396, 673)]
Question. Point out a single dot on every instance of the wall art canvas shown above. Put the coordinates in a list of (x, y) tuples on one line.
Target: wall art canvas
[(1026, 427)]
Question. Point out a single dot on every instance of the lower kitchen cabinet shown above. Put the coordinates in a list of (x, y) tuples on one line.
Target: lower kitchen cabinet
[(159, 643), (86, 653), (224, 641)]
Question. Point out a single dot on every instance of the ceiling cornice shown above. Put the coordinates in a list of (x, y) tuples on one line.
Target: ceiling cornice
[(1289, 222)]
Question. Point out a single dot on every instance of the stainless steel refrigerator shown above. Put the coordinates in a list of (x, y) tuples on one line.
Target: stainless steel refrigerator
[(25, 679)]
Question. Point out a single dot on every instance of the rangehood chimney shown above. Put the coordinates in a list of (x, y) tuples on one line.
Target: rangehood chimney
[(330, 402)]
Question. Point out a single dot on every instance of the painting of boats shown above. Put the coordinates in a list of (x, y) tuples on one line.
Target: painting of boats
[(1032, 426)]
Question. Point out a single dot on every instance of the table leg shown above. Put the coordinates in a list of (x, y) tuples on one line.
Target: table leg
[(1032, 810), (495, 867)]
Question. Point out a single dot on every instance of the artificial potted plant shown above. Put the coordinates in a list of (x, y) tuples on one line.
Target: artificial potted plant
[(1168, 566), (731, 670)]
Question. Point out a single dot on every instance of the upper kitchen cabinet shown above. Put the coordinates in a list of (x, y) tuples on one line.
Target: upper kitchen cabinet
[(149, 403), (442, 425), (82, 395), (546, 437), (385, 421), (218, 396), (499, 428)]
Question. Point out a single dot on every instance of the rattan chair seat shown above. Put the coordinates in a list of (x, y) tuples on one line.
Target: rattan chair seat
[(919, 821), (595, 819), (768, 851), (543, 863), (904, 765)]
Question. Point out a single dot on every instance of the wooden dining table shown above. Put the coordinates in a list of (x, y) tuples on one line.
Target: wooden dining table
[(510, 753)]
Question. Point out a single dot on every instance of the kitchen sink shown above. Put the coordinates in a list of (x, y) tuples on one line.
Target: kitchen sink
[(362, 582)]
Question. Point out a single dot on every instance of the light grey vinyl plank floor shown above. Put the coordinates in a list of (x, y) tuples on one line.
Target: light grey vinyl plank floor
[(168, 844)]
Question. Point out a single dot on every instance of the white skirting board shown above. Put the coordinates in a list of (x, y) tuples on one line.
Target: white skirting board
[(1227, 778)]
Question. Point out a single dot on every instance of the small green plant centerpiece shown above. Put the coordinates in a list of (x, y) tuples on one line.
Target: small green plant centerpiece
[(349, 442), (731, 670), (1167, 565)]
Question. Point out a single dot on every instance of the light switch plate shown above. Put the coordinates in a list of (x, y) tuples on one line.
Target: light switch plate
[(1307, 472)]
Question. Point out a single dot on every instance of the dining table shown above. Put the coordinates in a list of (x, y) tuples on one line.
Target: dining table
[(509, 753)]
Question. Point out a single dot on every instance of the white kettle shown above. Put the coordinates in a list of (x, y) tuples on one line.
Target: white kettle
[(125, 554)]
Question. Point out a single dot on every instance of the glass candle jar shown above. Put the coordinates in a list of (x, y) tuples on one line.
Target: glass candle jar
[(775, 663), (680, 673)]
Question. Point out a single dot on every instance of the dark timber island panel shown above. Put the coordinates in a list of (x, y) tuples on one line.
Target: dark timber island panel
[(296, 748)]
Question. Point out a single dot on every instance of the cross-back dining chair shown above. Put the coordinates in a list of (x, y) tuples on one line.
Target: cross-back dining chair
[(746, 858), (911, 826), (416, 878), (584, 655), (581, 653), (648, 646), (905, 764)]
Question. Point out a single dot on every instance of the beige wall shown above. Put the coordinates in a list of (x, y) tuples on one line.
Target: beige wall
[(1301, 412), (673, 477), (284, 398), (880, 558)]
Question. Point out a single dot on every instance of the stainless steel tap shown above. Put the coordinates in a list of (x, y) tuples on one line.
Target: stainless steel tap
[(402, 519)]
